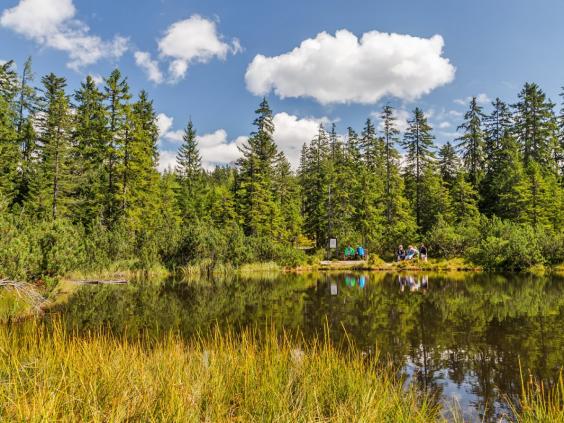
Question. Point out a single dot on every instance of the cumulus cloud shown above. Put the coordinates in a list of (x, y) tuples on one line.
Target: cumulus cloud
[(444, 125), (150, 66), (164, 123), (216, 148), (167, 160), (52, 23), (195, 39), (345, 69), (291, 133)]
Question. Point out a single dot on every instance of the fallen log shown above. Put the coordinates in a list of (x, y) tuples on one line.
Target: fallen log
[(101, 282)]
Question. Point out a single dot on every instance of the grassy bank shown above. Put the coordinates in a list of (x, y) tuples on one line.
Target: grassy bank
[(52, 376), (377, 264)]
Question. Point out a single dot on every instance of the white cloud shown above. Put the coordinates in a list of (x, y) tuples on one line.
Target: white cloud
[(346, 69), (167, 160), (150, 66), (175, 136), (51, 23), (194, 40), (164, 123), (291, 133), (481, 98), (444, 125), (215, 148)]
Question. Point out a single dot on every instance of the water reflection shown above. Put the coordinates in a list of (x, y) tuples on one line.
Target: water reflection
[(460, 336)]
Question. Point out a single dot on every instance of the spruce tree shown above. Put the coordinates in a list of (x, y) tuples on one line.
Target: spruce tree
[(464, 199), (188, 159), (255, 198), (26, 111), (449, 164), (140, 178), (287, 194), (370, 198), (314, 179), (55, 142), (89, 138), (435, 198), (9, 151), (471, 142), (391, 138), (512, 190), (535, 125), (117, 99), (189, 171), (496, 125), (418, 143)]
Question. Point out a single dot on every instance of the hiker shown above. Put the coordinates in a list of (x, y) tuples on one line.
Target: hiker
[(400, 253), (423, 252), (411, 252), (360, 252), (349, 253)]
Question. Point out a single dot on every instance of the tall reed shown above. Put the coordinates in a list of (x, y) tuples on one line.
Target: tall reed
[(50, 375)]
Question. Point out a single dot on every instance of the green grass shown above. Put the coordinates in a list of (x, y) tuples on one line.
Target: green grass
[(13, 305), (377, 264), (52, 376)]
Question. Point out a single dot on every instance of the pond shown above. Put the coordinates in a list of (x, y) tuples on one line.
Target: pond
[(464, 337)]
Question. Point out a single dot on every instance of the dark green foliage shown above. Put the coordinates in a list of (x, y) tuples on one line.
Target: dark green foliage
[(471, 142), (418, 143), (535, 125), (449, 164), (506, 245), (256, 199), (54, 140), (80, 190)]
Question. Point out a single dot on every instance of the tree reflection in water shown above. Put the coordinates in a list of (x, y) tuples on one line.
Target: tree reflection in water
[(460, 336)]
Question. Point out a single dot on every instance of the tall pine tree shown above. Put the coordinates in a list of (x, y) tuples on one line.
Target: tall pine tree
[(255, 198), (471, 143), (55, 142), (418, 143)]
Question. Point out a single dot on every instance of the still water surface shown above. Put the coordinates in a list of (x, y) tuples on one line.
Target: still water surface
[(461, 336)]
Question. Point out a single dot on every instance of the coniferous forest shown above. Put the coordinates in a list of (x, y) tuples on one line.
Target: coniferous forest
[(80, 189)]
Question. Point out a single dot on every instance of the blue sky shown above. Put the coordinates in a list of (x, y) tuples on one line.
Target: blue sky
[(203, 58)]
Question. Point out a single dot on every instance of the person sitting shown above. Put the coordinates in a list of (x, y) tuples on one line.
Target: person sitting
[(411, 252), (360, 253), (349, 253), (400, 253), (423, 252)]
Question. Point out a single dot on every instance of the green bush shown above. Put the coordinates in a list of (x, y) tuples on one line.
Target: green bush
[(504, 245), (448, 241)]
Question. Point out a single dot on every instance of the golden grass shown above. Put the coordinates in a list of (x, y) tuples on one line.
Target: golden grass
[(540, 403), (52, 376)]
